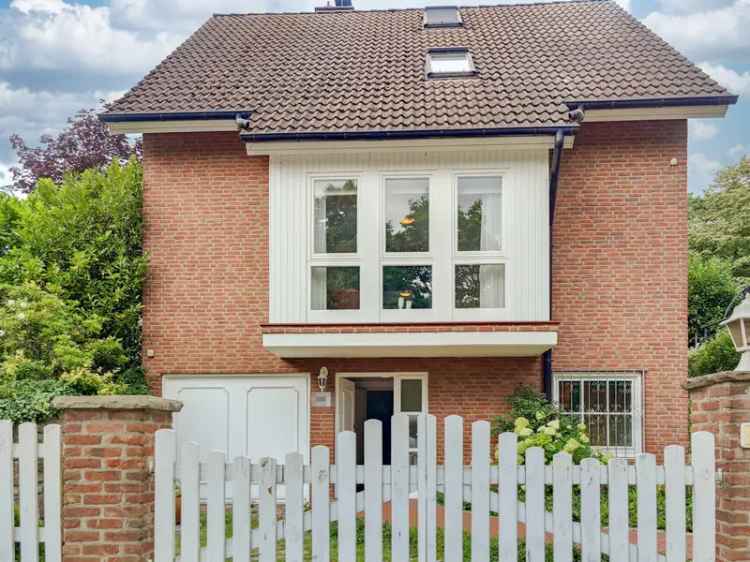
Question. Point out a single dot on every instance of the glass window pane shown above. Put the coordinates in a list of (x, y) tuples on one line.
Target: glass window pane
[(597, 426), (620, 430), (439, 15), (335, 216), (480, 286), (595, 396), (335, 288), (479, 214), (449, 62), (406, 287), (620, 396), (407, 221), (411, 395)]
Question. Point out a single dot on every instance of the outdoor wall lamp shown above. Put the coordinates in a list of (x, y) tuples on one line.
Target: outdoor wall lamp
[(323, 378), (739, 329)]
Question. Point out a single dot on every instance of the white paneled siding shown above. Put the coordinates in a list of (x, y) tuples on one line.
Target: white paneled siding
[(525, 233)]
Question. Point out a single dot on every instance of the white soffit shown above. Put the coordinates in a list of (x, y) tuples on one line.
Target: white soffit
[(411, 344), (521, 142), (181, 126), (655, 113)]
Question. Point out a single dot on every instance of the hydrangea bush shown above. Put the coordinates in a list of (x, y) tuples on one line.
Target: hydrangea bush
[(538, 423)]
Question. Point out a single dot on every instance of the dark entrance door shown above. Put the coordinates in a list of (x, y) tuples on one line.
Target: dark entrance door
[(380, 407)]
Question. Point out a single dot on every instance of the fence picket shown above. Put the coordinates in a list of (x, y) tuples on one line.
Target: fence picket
[(591, 538), (216, 506), (674, 479), (619, 520), (562, 507), (704, 497), (535, 508), (431, 486), (454, 488), (508, 489), (28, 489), (190, 546), (164, 478), (645, 469), (7, 526), (400, 488), (320, 480), (373, 491), (52, 493), (480, 491), (294, 522), (346, 494), (267, 511), (241, 473)]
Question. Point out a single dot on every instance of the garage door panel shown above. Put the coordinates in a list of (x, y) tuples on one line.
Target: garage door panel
[(273, 422), (204, 418)]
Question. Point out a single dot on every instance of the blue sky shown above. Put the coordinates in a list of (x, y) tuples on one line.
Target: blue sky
[(58, 56)]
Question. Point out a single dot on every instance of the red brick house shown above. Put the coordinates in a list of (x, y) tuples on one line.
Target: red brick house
[(430, 206)]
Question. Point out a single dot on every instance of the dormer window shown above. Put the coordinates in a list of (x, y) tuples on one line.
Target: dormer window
[(442, 16), (449, 63)]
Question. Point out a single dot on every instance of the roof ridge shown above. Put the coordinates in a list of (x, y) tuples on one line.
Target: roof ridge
[(415, 9)]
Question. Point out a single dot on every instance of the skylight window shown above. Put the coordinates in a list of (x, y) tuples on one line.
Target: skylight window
[(449, 63), (442, 16)]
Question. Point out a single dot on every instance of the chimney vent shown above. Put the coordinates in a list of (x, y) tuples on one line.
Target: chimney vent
[(338, 6)]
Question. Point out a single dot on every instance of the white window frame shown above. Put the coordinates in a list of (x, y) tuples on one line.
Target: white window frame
[(396, 259), (332, 260), (492, 257), (430, 73), (636, 378)]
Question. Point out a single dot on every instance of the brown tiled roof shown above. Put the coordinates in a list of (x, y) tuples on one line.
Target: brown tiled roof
[(365, 70)]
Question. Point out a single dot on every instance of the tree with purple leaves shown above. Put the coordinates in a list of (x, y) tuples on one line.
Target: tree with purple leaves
[(84, 144)]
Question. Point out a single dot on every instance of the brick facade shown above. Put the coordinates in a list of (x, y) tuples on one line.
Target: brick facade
[(720, 403), (619, 263), (619, 288), (108, 494)]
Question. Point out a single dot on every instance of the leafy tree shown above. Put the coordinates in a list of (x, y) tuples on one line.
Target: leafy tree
[(86, 143), (711, 289), (82, 241), (720, 221)]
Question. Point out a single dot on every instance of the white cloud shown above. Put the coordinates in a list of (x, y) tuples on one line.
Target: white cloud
[(732, 80), (702, 130), (56, 35), (4, 175), (701, 170), (708, 33)]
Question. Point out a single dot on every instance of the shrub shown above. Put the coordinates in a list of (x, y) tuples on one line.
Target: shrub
[(539, 423), (713, 356)]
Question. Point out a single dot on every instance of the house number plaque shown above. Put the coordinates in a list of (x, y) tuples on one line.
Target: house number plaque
[(321, 400), (745, 435)]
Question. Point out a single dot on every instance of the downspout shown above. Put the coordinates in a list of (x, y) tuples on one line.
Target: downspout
[(553, 180)]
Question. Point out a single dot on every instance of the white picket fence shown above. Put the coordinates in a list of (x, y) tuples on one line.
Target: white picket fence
[(248, 483), (29, 452)]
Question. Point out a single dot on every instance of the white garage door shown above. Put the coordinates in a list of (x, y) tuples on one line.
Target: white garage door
[(255, 416)]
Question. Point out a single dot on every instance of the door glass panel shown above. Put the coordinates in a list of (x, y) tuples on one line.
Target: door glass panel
[(335, 288), (411, 395), (479, 214), (406, 287), (480, 286), (335, 216), (407, 220)]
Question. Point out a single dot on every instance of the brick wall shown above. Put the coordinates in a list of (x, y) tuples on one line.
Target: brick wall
[(720, 403), (620, 263), (108, 494)]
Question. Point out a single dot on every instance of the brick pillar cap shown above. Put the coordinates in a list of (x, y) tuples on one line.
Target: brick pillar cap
[(116, 403), (717, 378)]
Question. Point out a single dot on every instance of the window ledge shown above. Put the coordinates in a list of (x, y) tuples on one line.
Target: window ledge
[(410, 340)]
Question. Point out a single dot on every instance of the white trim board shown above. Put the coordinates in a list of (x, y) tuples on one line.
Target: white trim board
[(519, 142), (411, 344), (181, 126), (655, 113)]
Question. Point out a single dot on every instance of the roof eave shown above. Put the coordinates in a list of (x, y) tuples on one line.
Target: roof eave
[(638, 103), (114, 117)]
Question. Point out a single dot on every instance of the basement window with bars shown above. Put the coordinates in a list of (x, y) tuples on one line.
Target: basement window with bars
[(610, 406)]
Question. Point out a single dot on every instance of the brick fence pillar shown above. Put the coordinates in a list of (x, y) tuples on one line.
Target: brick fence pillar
[(108, 494), (720, 403)]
